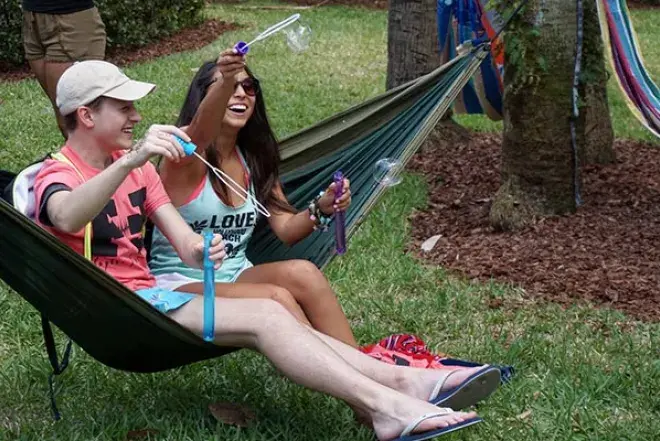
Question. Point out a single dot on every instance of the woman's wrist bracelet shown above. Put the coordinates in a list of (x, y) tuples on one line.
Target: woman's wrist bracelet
[(321, 220)]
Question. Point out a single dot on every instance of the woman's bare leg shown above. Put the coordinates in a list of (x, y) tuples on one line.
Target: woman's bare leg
[(252, 291), (264, 325), (311, 290), (412, 381)]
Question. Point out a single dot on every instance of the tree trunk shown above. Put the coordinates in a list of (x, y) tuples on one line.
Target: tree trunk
[(598, 133), (412, 40), (538, 173)]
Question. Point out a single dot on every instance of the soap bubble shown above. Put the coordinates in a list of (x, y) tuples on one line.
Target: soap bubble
[(387, 172), (298, 37)]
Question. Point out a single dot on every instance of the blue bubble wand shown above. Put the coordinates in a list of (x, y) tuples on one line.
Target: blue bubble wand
[(209, 289)]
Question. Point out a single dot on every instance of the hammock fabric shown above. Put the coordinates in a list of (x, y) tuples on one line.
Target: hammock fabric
[(122, 331), (461, 21), (642, 95), (469, 22)]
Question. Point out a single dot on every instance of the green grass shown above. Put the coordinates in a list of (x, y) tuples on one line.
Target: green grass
[(583, 373)]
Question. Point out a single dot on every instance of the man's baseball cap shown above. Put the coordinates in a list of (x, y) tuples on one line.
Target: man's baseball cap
[(85, 81)]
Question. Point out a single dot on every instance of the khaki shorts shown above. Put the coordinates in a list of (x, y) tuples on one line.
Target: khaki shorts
[(64, 37)]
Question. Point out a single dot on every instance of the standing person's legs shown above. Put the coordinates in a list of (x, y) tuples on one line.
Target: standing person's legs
[(53, 42), (295, 350)]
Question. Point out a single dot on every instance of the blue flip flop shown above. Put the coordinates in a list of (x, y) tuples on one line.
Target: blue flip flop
[(408, 435), (472, 390)]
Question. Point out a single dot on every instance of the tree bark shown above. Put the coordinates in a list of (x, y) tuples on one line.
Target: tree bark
[(537, 155), (412, 40), (598, 132)]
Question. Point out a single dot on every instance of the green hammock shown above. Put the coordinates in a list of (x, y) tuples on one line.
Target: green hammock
[(124, 332), (392, 125)]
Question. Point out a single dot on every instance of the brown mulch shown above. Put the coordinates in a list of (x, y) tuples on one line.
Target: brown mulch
[(607, 253), (185, 40), (636, 4)]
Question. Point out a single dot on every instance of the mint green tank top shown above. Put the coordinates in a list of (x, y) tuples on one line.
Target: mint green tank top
[(208, 212)]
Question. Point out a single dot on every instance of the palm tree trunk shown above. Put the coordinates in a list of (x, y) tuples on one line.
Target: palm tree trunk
[(412, 40), (538, 173), (598, 133)]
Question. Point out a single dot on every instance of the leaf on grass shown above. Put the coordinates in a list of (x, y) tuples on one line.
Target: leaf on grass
[(430, 242), (524, 415), (141, 434), (232, 413)]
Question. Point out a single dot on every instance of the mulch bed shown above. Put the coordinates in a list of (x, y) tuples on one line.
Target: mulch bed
[(607, 253), (185, 40)]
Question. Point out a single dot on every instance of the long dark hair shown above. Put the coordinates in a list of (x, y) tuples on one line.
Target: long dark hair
[(256, 141)]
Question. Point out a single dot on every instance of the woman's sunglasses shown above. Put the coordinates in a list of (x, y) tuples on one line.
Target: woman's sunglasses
[(250, 85)]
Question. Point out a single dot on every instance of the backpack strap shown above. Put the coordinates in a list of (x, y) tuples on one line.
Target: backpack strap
[(88, 228), (49, 340)]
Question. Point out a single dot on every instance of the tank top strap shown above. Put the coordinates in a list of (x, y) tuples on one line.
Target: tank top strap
[(246, 170)]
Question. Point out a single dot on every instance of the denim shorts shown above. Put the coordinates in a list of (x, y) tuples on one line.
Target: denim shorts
[(165, 300)]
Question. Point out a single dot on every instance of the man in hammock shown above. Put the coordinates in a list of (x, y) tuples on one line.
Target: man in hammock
[(108, 183)]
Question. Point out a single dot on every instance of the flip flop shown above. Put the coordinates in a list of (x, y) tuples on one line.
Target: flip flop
[(407, 434), (473, 389)]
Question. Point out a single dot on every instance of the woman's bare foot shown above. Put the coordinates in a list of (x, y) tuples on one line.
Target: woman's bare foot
[(420, 383), (390, 421)]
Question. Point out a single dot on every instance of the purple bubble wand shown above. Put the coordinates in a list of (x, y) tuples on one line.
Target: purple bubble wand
[(340, 221), (242, 47)]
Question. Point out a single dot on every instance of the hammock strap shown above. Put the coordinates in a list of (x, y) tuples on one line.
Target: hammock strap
[(58, 367)]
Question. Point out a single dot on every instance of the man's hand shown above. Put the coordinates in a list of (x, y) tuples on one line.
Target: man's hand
[(216, 251), (159, 140)]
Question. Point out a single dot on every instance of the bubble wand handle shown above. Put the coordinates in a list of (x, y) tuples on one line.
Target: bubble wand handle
[(242, 47), (209, 290), (340, 221)]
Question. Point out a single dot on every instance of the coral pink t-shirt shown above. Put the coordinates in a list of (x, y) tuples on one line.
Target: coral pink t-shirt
[(117, 239)]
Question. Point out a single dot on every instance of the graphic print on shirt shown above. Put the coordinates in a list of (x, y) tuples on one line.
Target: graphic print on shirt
[(233, 227), (106, 230)]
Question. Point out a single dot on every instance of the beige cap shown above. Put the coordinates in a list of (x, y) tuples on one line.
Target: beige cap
[(85, 81)]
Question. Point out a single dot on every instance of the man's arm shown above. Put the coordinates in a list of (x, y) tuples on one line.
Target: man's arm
[(70, 211), (188, 244)]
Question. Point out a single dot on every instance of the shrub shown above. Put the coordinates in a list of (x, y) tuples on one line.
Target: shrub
[(127, 23), (11, 43), (136, 23)]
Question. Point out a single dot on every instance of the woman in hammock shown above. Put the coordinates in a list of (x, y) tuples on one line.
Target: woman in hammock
[(231, 130)]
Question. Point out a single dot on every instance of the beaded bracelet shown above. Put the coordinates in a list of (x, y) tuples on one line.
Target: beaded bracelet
[(321, 221)]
